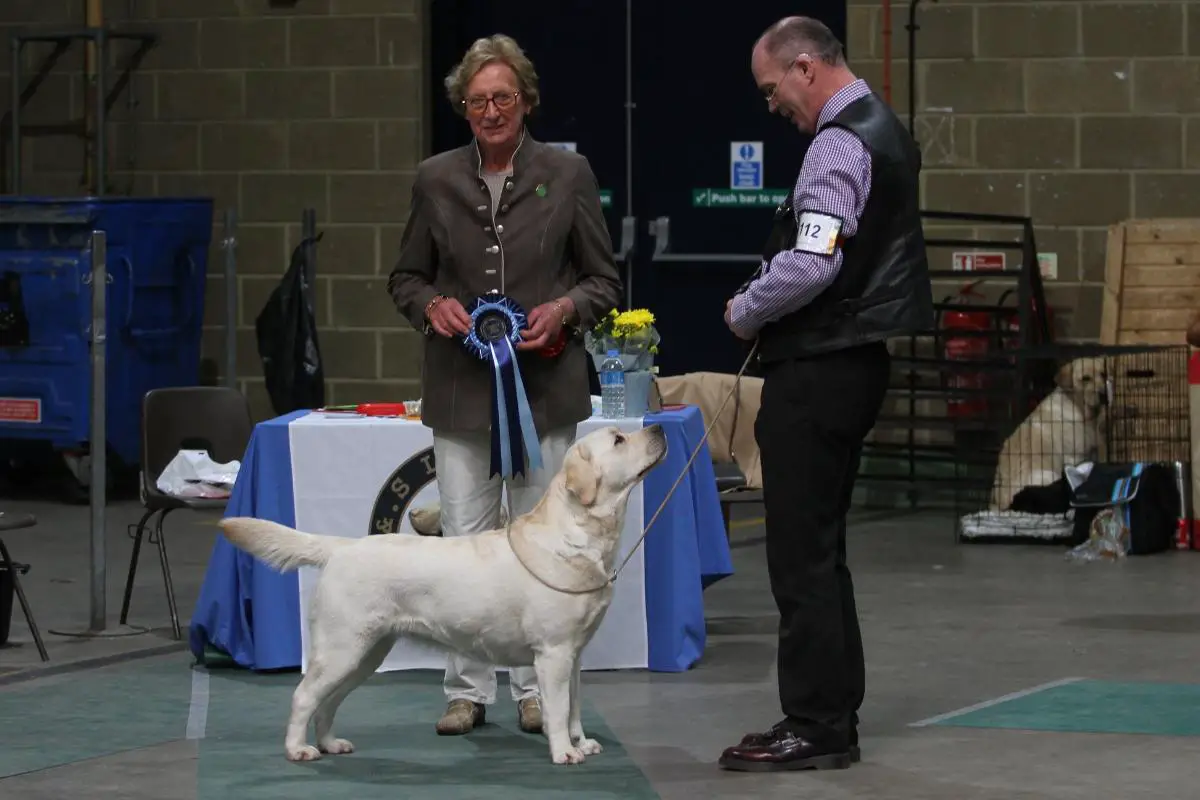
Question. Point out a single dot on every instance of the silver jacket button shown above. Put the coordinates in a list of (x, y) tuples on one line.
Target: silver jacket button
[(499, 229), (494, 249)]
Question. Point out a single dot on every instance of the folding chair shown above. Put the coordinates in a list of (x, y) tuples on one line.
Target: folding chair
[(212, 418), (10, 522)]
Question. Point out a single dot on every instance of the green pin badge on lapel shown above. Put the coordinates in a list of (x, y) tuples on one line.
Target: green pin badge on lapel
[(540, 191)]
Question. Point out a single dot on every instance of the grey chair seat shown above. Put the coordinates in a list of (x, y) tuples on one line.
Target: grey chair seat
[(729, 476), (12, 522)]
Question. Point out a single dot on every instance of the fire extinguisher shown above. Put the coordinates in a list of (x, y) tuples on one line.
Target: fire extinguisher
[(1012, 321), (1012, 337), (968, 399)]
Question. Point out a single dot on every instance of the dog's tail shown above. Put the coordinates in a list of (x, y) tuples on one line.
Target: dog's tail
[(281, 547)]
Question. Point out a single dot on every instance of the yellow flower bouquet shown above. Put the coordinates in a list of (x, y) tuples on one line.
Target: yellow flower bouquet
[(631, 333)]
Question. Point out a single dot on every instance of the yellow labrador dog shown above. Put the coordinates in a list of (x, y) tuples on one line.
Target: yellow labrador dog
[(1063, 430), (375, 588)]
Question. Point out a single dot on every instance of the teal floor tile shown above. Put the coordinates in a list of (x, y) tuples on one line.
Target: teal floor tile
[(93, 714), (1158, 709), (397, 752)]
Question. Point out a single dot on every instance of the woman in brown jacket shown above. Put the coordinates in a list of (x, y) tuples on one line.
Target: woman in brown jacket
[(511, 215)]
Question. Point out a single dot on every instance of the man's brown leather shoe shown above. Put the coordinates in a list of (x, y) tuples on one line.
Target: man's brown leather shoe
[(529, 715), (462, 716), (779, 750)]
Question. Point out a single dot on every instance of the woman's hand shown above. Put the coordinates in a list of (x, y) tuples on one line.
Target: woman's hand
[(545, 323), (447, 317)]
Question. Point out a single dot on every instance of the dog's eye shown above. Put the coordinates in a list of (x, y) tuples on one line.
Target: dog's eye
[(619, 439)]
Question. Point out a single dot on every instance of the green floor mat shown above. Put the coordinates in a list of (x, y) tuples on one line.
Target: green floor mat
[(1157, 709), (90, 715), (397, 753)]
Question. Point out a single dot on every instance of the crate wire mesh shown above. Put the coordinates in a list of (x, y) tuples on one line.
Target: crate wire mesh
[(1065, 407)]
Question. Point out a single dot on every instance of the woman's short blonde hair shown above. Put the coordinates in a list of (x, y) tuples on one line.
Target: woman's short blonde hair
[(484, 51)]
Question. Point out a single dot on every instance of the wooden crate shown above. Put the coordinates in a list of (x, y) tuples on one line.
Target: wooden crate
[(1151, 281)]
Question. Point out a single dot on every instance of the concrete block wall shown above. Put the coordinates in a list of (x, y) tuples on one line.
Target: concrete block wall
[(268, 110), (1079, 113)]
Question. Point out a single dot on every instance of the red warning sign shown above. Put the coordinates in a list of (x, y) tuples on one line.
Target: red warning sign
[(979, 262), (21, 409)]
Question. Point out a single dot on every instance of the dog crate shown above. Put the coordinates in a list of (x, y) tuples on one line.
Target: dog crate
[(1082, 405)]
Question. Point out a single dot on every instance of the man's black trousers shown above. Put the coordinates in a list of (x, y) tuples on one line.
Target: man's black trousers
[(814, 414)]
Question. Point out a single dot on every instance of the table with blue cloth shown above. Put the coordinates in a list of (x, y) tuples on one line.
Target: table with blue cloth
[(251, 612)]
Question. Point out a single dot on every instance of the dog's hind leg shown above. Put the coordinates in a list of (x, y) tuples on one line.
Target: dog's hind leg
[(335, 656), (323, 718), (589, 747), (554, 669)]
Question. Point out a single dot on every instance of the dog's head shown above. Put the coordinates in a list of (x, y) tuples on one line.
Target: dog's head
[(1086, 381), (603, 467)]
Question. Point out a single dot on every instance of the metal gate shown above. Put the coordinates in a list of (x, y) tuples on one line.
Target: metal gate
[(662, 102)]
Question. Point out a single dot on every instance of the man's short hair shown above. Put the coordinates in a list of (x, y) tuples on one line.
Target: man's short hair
[(791, 36)]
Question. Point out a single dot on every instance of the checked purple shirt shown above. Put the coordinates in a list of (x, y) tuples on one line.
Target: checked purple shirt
[(835, 179)]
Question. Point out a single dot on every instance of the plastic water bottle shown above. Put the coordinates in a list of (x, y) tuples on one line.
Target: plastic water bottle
[(612, 386)]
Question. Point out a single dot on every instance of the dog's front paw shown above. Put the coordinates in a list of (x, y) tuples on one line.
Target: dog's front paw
[(305, 752), (589, 747), (570, 756), (337, 747)]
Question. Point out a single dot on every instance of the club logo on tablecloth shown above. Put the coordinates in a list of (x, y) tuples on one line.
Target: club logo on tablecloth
[(399, 491)]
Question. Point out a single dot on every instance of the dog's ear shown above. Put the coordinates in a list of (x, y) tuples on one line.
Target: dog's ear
[(1065, 377), (580, 477)]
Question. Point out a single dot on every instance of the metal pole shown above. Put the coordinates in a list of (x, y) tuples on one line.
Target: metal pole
[(15, 117), (100, 151), (98, 277), (231, 294), (308, 231), (99, 446)]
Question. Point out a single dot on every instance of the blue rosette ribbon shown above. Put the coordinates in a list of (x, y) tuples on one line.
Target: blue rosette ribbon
[(496, 325)]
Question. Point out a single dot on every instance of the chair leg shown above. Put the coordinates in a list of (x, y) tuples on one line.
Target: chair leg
[(166, 571), (726, 514), (7, 561), (133, 562)]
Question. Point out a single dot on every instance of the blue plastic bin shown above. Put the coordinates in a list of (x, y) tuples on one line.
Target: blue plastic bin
[(157, 260)]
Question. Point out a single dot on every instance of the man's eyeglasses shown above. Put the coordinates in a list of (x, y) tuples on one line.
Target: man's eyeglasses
[(771, 95), (502, 100)]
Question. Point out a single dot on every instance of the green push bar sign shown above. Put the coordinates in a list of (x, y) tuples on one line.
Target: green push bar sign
[(737, 198)]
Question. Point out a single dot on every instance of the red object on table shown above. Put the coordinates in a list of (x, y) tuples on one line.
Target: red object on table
[(381, 409), (370, 409)]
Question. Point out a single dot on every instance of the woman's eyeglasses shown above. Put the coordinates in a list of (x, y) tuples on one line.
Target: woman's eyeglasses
[(502, 100)]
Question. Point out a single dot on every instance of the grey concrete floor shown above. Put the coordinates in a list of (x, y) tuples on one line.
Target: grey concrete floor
[(946, 626)]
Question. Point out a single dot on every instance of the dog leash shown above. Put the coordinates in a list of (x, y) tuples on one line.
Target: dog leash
[(737, 382)]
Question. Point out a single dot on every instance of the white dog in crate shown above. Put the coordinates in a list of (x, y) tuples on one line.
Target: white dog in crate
[(1064, 430)]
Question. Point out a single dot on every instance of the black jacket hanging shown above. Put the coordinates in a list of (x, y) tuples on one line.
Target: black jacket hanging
[(286, 329)]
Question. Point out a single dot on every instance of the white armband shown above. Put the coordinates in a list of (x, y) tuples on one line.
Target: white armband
[(817, 233)]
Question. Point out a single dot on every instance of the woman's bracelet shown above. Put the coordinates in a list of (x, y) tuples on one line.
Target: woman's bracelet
[(437, 298)]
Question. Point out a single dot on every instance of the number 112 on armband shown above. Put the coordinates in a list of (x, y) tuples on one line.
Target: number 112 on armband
[(817, 232)]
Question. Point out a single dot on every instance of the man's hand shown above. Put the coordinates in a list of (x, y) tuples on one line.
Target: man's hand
[(448, 318), (545, 323), (729, 322)]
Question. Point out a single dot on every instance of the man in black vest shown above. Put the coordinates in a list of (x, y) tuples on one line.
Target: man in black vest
[(844, 270)]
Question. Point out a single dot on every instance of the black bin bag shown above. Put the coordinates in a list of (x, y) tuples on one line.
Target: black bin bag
[(286, 329)]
